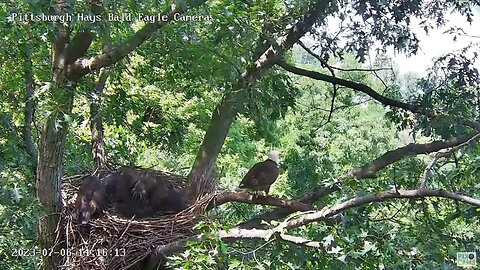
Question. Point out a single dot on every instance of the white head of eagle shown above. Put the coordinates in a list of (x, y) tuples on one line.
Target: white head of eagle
[(263, 174), (274, 156)]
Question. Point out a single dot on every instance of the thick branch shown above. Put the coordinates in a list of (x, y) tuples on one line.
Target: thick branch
[(225, 112), (51, 146), (286, 207), (254, 199), (78, 46), (279, 213), (327, 212), (355, 86), (85, 65), (369, 170), (428, 170)]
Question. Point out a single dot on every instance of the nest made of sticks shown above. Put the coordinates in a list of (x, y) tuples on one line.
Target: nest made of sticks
[(113, 242)]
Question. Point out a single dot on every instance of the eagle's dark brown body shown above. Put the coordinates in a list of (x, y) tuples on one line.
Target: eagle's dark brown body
[(159, 194), (261, 176), (90, 199), (141, 194)]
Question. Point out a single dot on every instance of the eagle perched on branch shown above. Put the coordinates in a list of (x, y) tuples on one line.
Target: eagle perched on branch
[(262, 175)]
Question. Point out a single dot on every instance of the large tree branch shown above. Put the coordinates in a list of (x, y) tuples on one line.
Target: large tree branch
[(286, 207), (428, 170), (278, 232), (371, 92), (355, 86), (84, 65), (51, 145), (255, 199), (307, 198), (225, 112), (370, 170), (362, 172), (328, 212)]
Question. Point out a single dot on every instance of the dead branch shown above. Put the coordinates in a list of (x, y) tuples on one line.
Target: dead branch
[(328, 212)]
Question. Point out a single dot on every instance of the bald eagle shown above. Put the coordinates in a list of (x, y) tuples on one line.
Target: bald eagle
[(262, 175)]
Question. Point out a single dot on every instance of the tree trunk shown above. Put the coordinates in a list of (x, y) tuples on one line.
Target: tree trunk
[(224, 113), (52, 145), (49, 173), (96, 122), (29, 105), (222, 118)]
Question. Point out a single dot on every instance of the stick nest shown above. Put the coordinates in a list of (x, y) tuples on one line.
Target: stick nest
[(113, 242)]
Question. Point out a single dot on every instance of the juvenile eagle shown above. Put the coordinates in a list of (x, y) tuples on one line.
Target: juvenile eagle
[(90, 199), (262, 175)]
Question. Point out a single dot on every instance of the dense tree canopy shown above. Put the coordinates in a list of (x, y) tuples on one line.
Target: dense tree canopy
[(378, 171)]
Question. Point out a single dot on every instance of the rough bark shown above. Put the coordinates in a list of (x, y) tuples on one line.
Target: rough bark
[(96, 122), (225, 112), (49, 173), (202, 169), (29, 105), (51, 147)]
